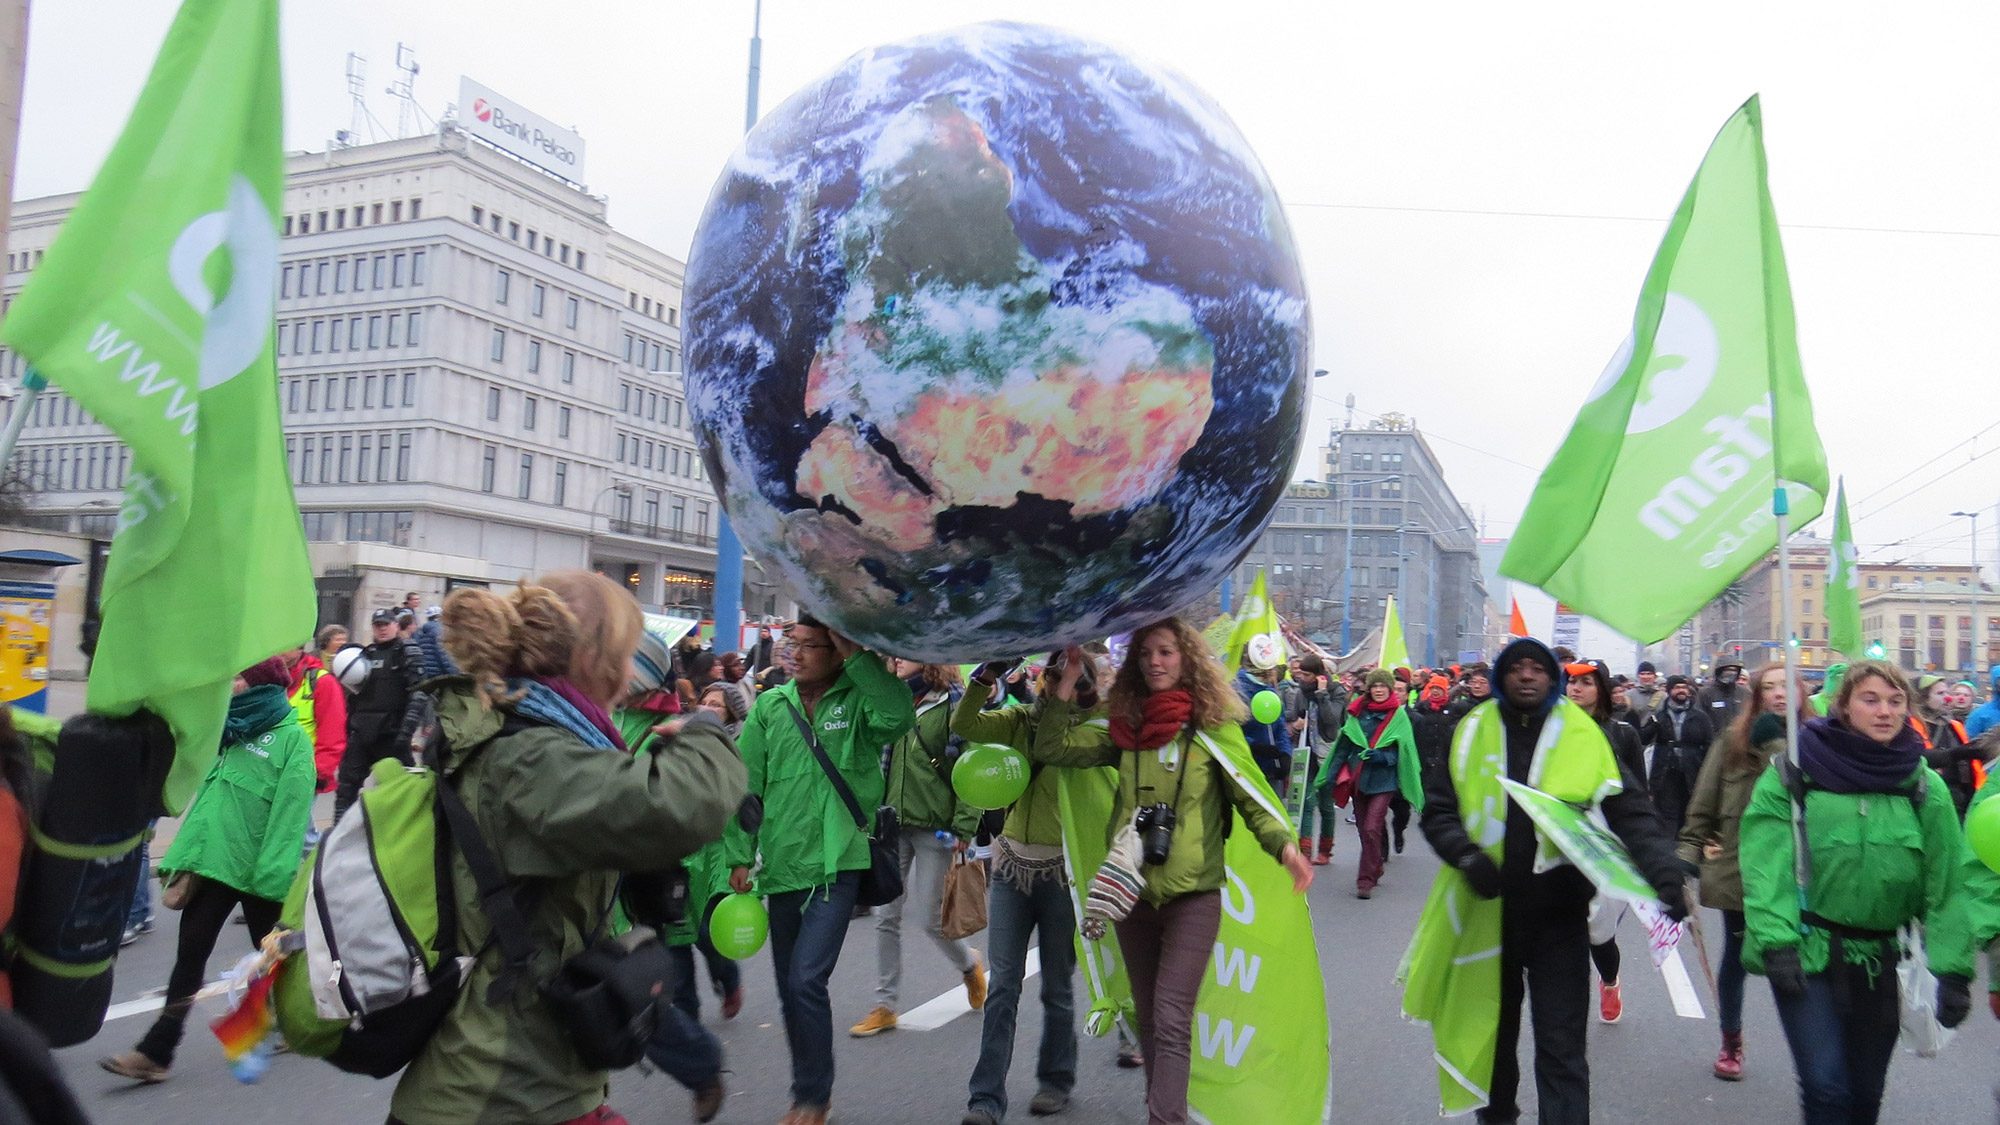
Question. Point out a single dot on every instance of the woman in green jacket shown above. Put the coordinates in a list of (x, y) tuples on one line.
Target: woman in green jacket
[(1379, 743), (935, 827), (239, 843), (1710, 840), (546, 776), (1174, 736), (1884, 850)]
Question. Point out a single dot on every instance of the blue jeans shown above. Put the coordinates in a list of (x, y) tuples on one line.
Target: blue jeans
[(1842, 1044), (807, 928), (687, 1051), (1729, 978), (1011, 917), (142, 894), (1320, 802), (725, 974)]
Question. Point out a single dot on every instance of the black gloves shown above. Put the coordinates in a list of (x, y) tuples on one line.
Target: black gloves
[(1674, 905), (993, 671), (1689, 868), (1484, 874), (1782, 968), (1954, 999)]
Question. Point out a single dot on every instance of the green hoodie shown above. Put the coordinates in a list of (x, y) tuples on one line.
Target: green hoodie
[(568, 817), (247, 826), (808, 838), (708, 879), (1182, 774), (1876, 864), (919, 780)]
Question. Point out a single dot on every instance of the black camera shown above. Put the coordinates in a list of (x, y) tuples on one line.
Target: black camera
[(1155, 824)]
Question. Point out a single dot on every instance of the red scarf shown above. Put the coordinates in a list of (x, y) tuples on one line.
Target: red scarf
[(1366, 704), (1166, 712)]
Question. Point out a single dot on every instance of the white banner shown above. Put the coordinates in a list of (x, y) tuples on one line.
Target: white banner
[(504, 124)]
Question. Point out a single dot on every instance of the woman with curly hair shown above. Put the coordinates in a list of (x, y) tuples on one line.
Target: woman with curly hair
[(1175, 738)]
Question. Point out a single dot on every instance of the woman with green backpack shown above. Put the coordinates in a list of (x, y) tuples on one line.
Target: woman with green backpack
[(237, 845)]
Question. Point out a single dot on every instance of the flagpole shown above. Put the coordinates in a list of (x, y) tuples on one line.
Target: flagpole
[(31, 389)]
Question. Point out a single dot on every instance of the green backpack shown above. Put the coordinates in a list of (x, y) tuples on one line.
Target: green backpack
[(370, 927)]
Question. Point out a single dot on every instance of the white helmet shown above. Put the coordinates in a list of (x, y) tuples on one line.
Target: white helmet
[(351, 668)]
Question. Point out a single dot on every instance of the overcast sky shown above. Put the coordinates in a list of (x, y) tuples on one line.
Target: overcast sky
[(1476, 188)]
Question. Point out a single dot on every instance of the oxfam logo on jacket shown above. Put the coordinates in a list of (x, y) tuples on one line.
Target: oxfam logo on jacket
[(1719, 453), (237, 320)]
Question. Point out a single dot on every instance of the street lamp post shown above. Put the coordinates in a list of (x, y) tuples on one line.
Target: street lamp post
[(622, 488), (1347, 561), (1978, 654)]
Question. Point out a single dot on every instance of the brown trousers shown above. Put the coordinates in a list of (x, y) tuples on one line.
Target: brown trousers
[(1167, 949)]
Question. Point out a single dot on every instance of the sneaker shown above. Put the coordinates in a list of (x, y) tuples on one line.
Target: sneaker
[(975, 984), (804, 1115), (1610, 1004), (876, 1022), (732, 1003), (136, 1066), (1364, 892), (978, 1117), (708, 1100), (1048, 1103), (1129, 1058), (136, 931)]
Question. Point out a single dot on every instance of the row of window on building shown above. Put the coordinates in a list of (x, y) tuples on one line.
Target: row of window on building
[(351, 333), (512, 231), (651, 354), (1363, 461), (531, 411), (659, 456), (366, 390), (24, 260), (652, 406), (355, 457), (644, 515), (359, 273), (658, 310), (84, 467), (538, 297), (496, 352), (54, 408), (363, 214), (358, 527)]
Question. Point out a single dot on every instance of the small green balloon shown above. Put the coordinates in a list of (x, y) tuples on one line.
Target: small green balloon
[(989, 776), (1982, 831), (738, 926), (1265, 706)]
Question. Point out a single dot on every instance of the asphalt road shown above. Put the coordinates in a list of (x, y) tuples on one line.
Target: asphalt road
[(1651, 1068)]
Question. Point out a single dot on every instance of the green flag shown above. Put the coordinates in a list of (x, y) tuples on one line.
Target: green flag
[(154, 310), (1395, 654), (1662, 494), (1256, 631), (1843, 583)]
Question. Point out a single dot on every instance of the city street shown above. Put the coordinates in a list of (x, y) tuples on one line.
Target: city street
[(1651, 1068)]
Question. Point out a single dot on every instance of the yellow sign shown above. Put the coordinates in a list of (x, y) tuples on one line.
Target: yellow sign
[(25, 612)]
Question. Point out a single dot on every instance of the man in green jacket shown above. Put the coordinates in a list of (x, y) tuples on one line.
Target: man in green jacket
[(811, 852)]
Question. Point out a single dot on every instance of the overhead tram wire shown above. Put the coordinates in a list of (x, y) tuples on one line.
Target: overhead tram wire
[(1496, 213), (1948, 472), (1941, 455), (1330, 400)]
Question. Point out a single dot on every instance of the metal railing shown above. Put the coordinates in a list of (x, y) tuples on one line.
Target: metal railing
[(640, 530)]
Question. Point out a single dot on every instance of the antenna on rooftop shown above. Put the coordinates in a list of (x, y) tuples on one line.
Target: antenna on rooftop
[(361, 123), (404, 90)]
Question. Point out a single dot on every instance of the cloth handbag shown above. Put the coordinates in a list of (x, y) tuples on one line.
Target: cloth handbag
[(179, 889), (964, 908), (1115, 889), (882, 882), (1922, 1033), (1344, 784)]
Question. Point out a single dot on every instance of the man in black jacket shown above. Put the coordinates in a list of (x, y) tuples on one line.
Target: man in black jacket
[(376, 709), (1723, 697), (1676, 737), (1545, 934)]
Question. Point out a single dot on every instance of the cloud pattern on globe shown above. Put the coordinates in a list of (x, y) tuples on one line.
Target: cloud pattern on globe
[(997, 340)]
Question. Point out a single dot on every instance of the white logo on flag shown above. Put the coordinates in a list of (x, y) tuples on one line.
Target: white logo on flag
[(1686, 333), (237, 325)]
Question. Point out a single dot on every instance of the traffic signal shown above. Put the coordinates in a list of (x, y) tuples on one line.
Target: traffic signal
[(1739, 649), (1794, 642), (1876, 651)]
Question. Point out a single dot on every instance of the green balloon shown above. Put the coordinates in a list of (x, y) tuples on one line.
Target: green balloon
[(1265, 706), (989, 776), (738, 926), (1982, 832)]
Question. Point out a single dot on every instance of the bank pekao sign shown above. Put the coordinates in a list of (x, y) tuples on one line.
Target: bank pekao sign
[(502, 123)]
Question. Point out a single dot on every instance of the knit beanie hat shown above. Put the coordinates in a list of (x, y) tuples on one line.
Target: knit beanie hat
[(653, 663), (271, 671), (1379, 676)]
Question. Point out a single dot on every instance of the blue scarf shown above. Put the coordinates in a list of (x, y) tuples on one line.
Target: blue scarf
[(1838, 760), (545, 705)]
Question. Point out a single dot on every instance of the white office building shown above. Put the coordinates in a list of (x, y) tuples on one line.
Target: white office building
[(479, 379)]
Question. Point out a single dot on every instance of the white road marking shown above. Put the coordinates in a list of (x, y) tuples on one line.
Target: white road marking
[(941, 1010), (146, 1004)]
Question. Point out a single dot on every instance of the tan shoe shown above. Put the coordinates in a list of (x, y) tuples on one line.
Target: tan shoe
[(877, 1022), (975, 984), (136, 1066), (804, 1115)]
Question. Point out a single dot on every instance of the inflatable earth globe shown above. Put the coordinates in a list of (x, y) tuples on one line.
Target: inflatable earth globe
[(996, 341)]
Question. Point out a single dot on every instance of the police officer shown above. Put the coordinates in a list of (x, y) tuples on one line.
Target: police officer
[(375, 714)]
